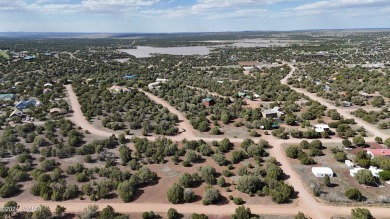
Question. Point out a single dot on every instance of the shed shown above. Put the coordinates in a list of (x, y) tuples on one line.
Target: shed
[(322, 171)]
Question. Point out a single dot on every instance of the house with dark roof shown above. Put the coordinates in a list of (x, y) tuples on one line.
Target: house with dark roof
[(208, 102), (24, 104)]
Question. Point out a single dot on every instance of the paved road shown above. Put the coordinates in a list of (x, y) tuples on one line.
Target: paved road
[(306, 202)]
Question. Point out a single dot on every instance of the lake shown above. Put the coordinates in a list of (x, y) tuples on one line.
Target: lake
[(146, 51)]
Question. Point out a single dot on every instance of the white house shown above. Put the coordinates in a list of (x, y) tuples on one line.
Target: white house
[(375, 171), (322, 171), (321, 128), (155, 85), (353, 172), (349, 164)]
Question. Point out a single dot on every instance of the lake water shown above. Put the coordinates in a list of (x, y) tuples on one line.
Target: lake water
[(146, 51)]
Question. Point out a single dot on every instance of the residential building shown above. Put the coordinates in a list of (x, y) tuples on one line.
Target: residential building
[(130, 77), (269, 113), (322, 171), (117, 89), (23, 104), (378, 152)]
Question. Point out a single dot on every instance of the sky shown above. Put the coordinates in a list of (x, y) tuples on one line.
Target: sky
[(166, 16)]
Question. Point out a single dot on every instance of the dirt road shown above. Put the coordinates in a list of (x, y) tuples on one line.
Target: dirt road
[(307, 203)]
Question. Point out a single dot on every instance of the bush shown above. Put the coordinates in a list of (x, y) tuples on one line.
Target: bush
[(150, 215), (293, 151), (365, 177), (199, 216), (175, 194), (249, 184), (385, 175), (361, 213), (242, 213), (359, 140), (300, 215), (340, 156), (173, 214), (211, 196), (127, 191), (354, 194), (238, 201)]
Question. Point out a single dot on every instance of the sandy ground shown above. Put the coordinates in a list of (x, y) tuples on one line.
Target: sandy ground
[(306, 202)]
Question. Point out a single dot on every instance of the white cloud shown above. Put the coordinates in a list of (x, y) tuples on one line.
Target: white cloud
[(342, 4)]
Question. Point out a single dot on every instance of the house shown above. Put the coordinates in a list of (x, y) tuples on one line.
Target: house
[(17, 113), (349, 164), (29, 58), (378, 152), (155, 85), (18, 83), (322, 171), (48, 85), (7, 97), (117, 89), (279, 111), (130, 77), (353, 171), (220, 82), (47, 53), (208, 102), (269, 113), (23, 104), (321, 128), (375, 171)]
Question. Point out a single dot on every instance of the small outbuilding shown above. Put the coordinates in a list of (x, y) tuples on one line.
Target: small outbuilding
[(322, 171)]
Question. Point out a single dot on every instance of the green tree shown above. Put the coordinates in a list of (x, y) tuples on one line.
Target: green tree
[(12, 207), (107, 213), (175, 194), (60, 210), (249, 184), (127, 191), (199, 216), (225, 118), (340, 156), (361, 213), (346, 143), (211, 196), (387, 142), (358, 140), (353, 194), (242, 213), (125, 154), (327, 181), (365, 177), (42, 212), (300, 215), (173, 214)]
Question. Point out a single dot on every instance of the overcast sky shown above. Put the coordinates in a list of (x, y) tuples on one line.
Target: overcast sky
[(190, 15)]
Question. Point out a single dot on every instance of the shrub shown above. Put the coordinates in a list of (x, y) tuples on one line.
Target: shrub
[(365, 177), (211, 196), (238, 201), (175, 194), (354, 194), (361, 213)]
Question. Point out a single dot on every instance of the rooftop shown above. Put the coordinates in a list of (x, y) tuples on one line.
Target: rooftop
[(207, 99), (379, 152)]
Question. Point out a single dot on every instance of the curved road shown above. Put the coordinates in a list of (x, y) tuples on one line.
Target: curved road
[(306, 202)]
